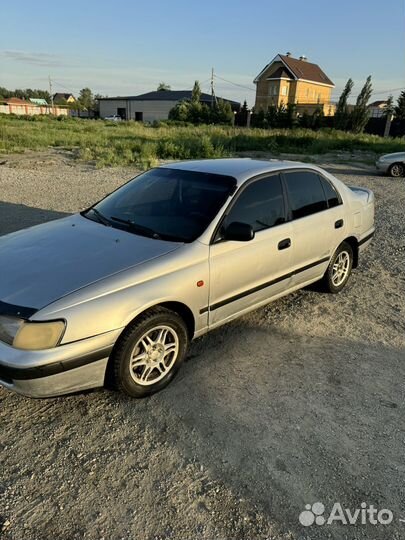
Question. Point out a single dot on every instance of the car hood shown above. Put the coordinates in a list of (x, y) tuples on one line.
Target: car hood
[(395, 156), (41, 264)]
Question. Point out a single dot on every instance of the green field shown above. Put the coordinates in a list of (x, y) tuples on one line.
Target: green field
[(124, 143)]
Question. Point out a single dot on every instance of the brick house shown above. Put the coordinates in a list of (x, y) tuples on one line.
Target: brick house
[(294, 80)]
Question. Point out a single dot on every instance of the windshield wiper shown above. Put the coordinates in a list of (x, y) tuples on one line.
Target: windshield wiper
[(146, 231), (102, 219)]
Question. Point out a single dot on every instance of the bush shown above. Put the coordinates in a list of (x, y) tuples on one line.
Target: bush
[(195, 112)]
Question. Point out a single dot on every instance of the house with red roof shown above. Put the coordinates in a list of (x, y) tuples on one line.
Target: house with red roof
[(287, 80)]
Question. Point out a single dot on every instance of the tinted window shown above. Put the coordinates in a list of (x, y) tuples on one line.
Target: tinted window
[(261, 204), (332, 196), (305, 193), (170, 204)]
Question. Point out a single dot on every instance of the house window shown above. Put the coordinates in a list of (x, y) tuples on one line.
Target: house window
[(274, 90), (284, 91)]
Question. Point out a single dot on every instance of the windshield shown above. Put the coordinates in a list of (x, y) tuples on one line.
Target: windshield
[(167, 204)]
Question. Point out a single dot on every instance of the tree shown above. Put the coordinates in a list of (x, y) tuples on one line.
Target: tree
[(342, 114), (317, 118), (192, 110), (181, 111), (163, 87), (258, 118), (221, 113), (86, 100), (242, 116), (359, 116), (196, 93), (400, 107), (272, 116), (4, 93), (305, 120)]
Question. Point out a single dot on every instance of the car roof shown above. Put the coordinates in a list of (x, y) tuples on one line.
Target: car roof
[(239, 168)]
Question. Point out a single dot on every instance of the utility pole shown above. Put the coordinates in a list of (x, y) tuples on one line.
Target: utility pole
[(388, 121), (50, 92), (213, 98)]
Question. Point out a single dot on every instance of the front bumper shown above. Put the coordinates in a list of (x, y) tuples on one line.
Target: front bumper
[(382, 166), (53, 372)]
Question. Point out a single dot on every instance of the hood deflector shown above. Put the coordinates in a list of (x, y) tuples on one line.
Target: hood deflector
[(16, 311)]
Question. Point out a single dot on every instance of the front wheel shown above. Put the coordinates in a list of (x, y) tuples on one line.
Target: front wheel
[(339, 269), (149, 352), (397, 170)]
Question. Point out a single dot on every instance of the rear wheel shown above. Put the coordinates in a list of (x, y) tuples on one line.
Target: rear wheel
[(150, 352), (397, 170), (339, 269)]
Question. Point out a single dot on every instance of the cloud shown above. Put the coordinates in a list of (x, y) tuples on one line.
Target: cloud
[(32, 58)]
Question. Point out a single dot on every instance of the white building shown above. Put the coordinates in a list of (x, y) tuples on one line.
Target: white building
[(151, 106), (377, 109)]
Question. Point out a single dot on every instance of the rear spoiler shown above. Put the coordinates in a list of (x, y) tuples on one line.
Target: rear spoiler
[(363, 192)]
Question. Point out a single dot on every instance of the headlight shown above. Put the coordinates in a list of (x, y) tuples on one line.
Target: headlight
[(30, 335), (9, 327)]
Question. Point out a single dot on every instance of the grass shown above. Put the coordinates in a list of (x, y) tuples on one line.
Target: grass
[(125, 143)]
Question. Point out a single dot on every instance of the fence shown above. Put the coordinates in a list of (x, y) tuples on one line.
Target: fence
[(374, 126), (30, 109)]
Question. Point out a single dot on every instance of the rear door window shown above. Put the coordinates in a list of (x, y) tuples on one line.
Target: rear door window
[(332, 197), (305, 193)]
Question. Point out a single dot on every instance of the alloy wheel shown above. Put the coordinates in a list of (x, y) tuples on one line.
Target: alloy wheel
[(397, 170), (340, 268), (154, 355)]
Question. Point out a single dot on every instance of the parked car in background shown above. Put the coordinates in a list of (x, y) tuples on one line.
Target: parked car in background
[(113, 118), (392, 164), (117, 292)]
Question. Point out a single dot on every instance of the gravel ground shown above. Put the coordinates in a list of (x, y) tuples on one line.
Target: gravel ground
[(301, 401)]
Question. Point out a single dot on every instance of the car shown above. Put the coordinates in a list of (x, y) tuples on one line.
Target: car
[(113, 118), (114, 295), (392, 164)]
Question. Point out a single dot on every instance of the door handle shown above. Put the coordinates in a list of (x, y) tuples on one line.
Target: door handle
[(284, 244), (339, 224)]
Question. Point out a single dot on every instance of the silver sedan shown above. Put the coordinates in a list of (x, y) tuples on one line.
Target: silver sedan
[(115, 294), (392, 164)]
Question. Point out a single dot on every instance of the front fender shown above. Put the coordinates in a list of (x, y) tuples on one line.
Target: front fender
[(114, 302)]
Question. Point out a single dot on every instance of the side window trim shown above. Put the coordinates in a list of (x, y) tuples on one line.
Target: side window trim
[(214, 237)]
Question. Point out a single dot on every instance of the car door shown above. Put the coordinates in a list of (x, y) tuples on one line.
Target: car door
[(245, 274), (314, 223)]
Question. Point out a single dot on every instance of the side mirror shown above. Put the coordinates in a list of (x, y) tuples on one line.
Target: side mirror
[(240, 232)]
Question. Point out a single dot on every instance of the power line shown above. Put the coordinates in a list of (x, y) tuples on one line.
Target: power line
[(377, 92), (70, 90), (236, 84), (373, 93)]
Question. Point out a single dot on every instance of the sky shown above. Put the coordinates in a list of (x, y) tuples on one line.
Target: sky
[(126, 47)]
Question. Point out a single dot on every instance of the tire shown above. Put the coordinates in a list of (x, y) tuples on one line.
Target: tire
[(397, 170), (158, 340), (343, 257)]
